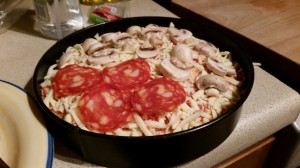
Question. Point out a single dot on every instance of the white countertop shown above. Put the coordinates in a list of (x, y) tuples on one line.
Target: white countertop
[(271, 106)]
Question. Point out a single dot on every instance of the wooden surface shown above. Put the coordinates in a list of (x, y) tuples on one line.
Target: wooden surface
[(254, 156), (272, 23)]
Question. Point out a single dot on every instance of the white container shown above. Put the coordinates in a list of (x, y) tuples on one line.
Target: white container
[(58, 18)]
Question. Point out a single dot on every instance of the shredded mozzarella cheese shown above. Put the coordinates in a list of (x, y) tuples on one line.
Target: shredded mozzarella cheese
[(198, 109)]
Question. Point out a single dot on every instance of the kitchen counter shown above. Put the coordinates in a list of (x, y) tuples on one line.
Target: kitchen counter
[(271, 106)]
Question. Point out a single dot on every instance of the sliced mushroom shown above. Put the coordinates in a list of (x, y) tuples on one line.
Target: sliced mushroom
[(120, 37), (179, 35), (96, 47), (230, 71), (216, 67), (211, 92), (147, 50), (212, 81), (192, 41), (64, 59), (151, 25), (157, 42), (129, 47), (183, 52), (153, 31), (195, 54), (206, 49), (134, 30), (87, 43), (103, 57), (182, 56), (108, 37), (170, 70)]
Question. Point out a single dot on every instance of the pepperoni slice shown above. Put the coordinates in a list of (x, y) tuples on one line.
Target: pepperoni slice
[(104, 108), (74, 79), (158, 96), (129, 75)]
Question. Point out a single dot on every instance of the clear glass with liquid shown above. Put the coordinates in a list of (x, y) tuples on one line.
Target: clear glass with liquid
[(58, 18)]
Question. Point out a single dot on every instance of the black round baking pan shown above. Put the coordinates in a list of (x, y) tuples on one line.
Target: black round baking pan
[(147, 151)]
